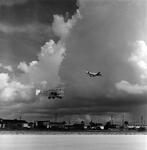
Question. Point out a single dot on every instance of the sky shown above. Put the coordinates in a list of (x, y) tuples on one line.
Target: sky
[(46, 44)]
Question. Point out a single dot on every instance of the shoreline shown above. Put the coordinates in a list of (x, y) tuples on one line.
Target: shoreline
[(24, 132)]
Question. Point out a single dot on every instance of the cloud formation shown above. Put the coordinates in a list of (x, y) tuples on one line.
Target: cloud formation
[(13, 90), (9, 68), (132, 89), (104, 40), (34, 31), (10, 29), (105, 36), (42, 74), (62, 28), (12, 2), (46, 69), (139, 58)]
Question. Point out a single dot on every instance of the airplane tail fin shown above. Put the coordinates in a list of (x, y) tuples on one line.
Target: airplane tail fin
[(37, 92), (87, 71), (99, 74)]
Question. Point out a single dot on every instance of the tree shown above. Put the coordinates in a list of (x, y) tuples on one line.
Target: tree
[(126, 123), (107, 126)]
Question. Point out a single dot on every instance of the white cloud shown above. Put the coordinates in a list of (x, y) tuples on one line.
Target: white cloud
[(4, 78), (37, 74), (11, 89), (33, 63), (130, 88), (139, 58), (9, 68), (46, 69), (23, 66), (62, 28)]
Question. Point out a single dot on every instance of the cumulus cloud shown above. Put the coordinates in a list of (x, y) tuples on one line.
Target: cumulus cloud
[(9, 68), (102, 41), (3, 78), (139, 57), (140, 52), (62, 28), (96, 43), (37, 74), (99, 39), (46, 69), (23, 66), (133, 89), (11, 89)]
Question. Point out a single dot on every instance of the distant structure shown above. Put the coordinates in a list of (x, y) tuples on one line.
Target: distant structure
[(13, 124)]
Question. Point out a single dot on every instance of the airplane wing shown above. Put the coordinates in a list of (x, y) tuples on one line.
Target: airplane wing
[(37, 92), (99, 74), (52, 93)]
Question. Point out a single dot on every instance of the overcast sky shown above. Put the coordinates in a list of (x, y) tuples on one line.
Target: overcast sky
[(46, 43)]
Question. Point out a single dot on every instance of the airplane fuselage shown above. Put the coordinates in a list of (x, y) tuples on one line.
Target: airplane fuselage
[(92, 74)]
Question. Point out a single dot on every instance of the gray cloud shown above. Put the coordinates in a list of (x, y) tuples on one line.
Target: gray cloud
[(12, 2), (34, 31), (103, 41)]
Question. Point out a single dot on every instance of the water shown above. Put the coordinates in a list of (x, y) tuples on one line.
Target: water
[(73, 142)]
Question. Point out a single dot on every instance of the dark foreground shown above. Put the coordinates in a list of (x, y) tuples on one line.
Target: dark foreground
[(35, 132)]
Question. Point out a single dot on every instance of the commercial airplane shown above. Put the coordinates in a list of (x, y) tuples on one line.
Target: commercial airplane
[(92, 74), (52, 93)]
